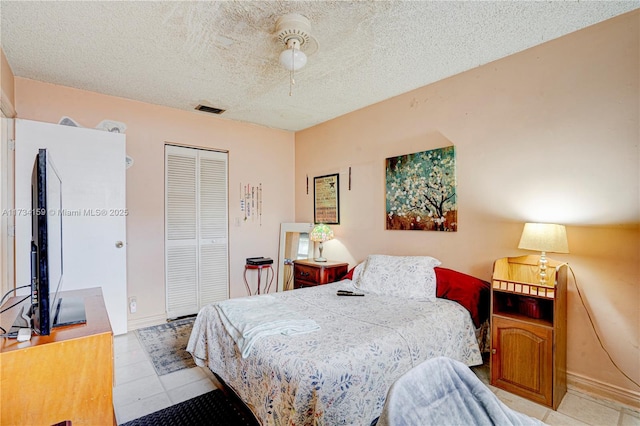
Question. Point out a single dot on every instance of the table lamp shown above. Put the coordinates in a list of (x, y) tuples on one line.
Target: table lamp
[(321, 233), (544, 237)]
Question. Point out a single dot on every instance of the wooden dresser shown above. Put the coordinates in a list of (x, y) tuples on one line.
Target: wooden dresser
[(309, 273), (66, 376), (529, 329)]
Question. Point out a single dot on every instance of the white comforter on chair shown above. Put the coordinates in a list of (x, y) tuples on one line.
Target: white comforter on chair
[(441, 392)]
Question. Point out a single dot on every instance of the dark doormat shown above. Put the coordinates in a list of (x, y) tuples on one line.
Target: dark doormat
[(212, 408)]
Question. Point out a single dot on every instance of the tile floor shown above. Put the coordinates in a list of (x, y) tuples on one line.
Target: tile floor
[(139, 391)]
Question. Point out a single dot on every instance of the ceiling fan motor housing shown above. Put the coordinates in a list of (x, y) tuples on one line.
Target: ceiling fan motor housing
[(293, 26)]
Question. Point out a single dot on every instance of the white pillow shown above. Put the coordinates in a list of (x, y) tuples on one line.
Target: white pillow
[(412, 277)]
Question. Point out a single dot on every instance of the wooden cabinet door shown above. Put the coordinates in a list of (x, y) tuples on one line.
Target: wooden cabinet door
[(522, 359)]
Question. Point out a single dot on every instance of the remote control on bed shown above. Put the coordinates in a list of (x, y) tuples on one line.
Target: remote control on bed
[(348, 293)]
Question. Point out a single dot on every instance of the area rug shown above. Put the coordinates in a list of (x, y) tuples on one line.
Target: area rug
[(212, 408), (166, 345)]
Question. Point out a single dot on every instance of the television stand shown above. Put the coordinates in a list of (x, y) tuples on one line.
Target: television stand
[(67, 375)]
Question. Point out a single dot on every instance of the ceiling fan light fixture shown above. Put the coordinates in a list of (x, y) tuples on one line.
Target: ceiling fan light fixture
[(293, 58), (293, 30)]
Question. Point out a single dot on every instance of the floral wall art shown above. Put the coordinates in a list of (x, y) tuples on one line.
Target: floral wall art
[(421, 191)]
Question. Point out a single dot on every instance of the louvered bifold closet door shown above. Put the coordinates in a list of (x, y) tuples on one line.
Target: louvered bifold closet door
[(214, 270), (196, 229)]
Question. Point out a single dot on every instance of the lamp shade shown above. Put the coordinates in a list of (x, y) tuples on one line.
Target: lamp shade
[(321, 233), (545, 237)]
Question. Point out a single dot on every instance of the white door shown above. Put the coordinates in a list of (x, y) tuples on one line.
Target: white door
[(196, 246), (91, 164)]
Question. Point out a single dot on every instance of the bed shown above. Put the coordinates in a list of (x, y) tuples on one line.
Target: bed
[(339, 373)]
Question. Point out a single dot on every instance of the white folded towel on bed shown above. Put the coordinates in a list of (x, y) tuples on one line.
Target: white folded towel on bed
[(250, 318)]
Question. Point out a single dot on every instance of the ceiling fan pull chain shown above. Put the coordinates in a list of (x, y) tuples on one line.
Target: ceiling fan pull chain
[(291, 80)]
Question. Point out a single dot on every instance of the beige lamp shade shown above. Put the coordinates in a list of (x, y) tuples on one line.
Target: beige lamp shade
[(544, 237)]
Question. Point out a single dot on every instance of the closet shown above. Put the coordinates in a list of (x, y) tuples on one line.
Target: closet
[(196, 229)]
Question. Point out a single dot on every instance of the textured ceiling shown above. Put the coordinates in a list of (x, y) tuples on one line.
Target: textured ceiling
[(225, 53)]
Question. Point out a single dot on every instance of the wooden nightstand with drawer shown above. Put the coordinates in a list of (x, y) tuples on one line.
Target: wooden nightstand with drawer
[(309, 273)]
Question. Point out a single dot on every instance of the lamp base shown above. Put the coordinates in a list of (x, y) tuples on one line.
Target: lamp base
[(320, 259), (543, 269)]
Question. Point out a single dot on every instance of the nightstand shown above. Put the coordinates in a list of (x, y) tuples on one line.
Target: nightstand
[(309, 273), (529, 329)]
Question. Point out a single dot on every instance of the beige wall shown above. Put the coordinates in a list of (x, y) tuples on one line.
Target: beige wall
[(547, 135), (256, 155)]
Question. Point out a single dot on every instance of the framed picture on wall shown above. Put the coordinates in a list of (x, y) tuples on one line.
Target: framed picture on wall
[(421, 191), (326, 199)]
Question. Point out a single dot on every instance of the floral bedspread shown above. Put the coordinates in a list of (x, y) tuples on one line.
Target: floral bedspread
[(340, 374)]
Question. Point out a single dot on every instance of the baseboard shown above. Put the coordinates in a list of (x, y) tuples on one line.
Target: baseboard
[(134, 324), (603, 390)]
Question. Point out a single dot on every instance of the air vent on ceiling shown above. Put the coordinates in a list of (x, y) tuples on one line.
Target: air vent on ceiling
[(209, 109)]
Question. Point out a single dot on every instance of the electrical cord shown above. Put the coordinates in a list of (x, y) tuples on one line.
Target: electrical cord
[(4, 332), (11, 291), (288, 276), (15, 304), (593, 326)]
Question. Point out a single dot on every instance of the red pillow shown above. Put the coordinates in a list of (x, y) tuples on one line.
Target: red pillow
[(470, 292), (349, 275)]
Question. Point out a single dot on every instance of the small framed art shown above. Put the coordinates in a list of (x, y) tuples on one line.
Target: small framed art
[(326, 199)]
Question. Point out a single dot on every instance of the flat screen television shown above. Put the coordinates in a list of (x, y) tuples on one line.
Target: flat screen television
[(46, 241), (47, 308)]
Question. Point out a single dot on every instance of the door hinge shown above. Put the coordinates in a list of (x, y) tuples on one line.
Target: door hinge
[(11, 231), (12, 144)]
